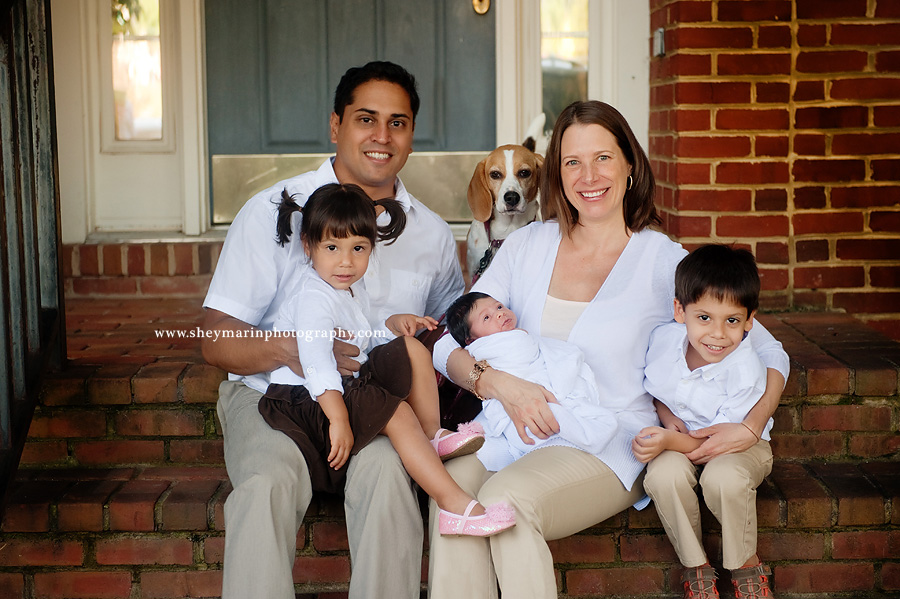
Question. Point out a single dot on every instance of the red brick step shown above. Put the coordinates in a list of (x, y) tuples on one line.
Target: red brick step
[(122, 484)]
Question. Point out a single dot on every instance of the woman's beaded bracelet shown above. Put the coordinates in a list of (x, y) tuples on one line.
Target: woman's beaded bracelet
[(477, 370)]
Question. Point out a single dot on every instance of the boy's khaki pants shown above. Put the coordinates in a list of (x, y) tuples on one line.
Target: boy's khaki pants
[(729, 489)]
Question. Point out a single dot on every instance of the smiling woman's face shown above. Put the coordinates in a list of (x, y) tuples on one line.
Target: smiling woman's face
[(594, 173)]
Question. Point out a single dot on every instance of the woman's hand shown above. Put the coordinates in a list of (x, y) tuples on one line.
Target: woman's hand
[(733, 438), (524, 402), (722, 439), (341, 443)]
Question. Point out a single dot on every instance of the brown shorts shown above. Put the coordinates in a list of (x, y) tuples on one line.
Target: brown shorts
[(371, 399)]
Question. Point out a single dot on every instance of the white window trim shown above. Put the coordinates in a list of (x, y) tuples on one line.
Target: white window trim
[(192, 134), (168, 58), (518, 67), (618, 70)]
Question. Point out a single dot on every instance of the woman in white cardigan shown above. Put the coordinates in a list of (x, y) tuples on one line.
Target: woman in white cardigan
[(595, 275)]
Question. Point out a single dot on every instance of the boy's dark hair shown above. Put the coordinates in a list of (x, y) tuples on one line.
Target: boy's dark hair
[(458, 316), (723, 272), (377, 70), (341, 211)]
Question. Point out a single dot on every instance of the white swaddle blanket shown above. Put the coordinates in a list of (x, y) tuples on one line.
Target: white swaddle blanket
[(560, 368)]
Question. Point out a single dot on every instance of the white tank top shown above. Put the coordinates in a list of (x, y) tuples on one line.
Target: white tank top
[(559, 317)]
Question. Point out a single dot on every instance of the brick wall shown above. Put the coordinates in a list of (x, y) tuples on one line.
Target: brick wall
[(776, 124), (153, 269)]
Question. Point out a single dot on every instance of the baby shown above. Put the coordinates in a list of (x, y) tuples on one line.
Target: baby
[(487, 329)]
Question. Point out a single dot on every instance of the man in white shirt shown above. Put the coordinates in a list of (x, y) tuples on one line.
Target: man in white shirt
[(372, 126)]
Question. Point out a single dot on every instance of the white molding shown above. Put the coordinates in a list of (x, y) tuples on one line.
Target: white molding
[(169, 58), (603, 28), (90, 48), (518, 67), (72, 118), (618, 63), (192, 134)]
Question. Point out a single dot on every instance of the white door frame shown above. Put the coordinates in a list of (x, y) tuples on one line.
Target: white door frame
[(618, 57), (166, 183)]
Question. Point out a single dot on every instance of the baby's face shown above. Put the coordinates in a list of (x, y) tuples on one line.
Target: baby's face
[(488, 316), (715, 328)]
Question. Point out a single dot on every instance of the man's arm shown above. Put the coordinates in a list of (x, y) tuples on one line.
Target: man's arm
[(246, 355), (228, 345)]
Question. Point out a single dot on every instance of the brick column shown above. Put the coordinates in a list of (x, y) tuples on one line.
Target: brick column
[(775, 124)]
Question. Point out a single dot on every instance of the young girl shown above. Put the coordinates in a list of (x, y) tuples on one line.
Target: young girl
[(395, 394)]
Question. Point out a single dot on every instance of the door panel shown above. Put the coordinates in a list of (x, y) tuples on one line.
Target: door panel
[(293, 58), (272, 66)]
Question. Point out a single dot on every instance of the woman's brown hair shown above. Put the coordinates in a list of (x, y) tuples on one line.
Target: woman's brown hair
[(637, 207)]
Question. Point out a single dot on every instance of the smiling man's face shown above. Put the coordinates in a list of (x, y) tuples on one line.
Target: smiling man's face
[(374, 138)]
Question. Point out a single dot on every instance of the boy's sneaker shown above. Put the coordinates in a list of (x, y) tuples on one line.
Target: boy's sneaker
[(752, 582), (699, 582)]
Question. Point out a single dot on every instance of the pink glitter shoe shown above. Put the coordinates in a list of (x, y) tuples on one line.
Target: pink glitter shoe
[(468, 439), (496, 518)]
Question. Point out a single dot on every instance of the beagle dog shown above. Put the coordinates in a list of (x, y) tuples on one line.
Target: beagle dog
[(503, 196)]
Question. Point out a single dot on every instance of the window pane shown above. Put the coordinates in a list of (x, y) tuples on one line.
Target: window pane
[(564, 54), (136, 69)]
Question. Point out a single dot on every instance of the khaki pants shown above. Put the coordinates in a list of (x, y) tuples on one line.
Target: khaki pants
[(729, 489), (272, 492), (556, 492)]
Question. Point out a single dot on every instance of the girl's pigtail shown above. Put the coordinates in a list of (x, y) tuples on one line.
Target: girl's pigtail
[(392, 230), (286, 208)]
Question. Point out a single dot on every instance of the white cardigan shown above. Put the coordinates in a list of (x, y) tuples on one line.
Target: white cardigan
[(613, 331)]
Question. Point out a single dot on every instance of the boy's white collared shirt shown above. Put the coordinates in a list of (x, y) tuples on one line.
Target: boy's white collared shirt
[(716, 393)]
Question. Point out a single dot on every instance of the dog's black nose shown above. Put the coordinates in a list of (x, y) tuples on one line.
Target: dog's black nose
[(511, 198)]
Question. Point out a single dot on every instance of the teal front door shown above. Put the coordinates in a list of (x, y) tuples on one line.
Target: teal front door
[(272, 66)]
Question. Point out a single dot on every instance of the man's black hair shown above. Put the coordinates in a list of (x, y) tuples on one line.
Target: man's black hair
[(377, 70)]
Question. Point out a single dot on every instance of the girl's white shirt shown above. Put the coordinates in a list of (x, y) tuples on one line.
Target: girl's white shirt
[(313, 312)]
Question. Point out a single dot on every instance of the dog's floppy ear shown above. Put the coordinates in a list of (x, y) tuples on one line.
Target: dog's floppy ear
[(538, 173), (479, 194)]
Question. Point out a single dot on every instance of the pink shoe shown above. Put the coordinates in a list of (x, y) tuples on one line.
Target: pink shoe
[(468, 439), (496, 518)]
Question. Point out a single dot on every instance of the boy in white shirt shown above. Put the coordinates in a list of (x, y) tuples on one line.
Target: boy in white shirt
[(703, 370)]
